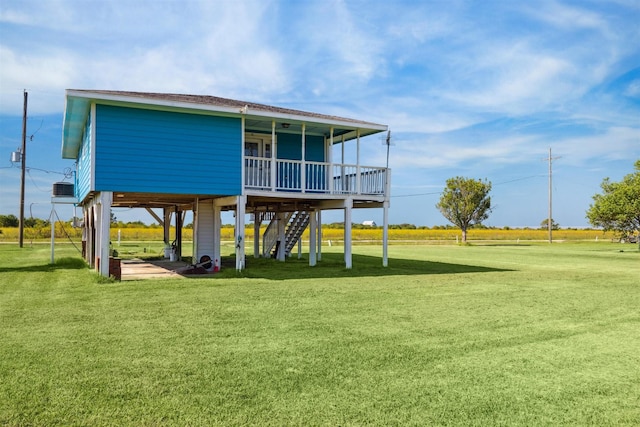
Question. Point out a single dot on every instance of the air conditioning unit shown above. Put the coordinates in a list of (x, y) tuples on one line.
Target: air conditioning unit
[(63, 189)]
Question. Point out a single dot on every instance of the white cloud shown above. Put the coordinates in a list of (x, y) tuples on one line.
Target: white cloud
[(450, 152), (225, 55), (616, 143), (455, 151), (566, 18), (633, 89)]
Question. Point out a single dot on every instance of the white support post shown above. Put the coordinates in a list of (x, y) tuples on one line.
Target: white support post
[(343, 185), (329, 177), (303, 168), (347, 233), (281, 237), (217, 225), (242, 164), (385, 233), (195, 244), (96, 236), (239, 238), (53, 233), (358, 177), (91, 241), (313, 231), (274, 163), (104, 226), (319, 235)]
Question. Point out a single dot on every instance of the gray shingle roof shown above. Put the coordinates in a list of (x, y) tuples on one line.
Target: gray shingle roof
[(221, 102)]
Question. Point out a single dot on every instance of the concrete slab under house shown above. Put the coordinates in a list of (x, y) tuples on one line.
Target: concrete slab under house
[(205, 154)]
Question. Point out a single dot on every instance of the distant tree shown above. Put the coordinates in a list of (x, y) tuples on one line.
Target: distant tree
[(544, 225), (9, 221), (136, 224), (465, 202), (36, 223), (618, 207)]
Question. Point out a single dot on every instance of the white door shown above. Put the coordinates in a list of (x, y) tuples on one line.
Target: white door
[(257, 167)]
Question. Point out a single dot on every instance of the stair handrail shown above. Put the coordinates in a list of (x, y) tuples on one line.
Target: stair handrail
[(270, 236)]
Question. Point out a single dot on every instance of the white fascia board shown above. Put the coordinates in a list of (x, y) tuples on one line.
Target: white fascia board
[(124, 99), (75, 113), (310, 119)]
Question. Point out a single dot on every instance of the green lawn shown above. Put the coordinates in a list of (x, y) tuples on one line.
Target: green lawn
[(447, 335)]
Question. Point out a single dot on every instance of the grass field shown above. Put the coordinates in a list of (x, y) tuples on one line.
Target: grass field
[(494, 334)]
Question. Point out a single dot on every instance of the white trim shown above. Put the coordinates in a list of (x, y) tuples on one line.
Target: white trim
[(303, 169), (358, 181), (64, 200), (274, 155), (315, 196), (329, 158), (242, 142), (92, 147)]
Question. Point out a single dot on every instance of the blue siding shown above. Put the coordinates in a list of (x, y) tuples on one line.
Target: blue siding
[(167, 152), (290, 147), (83, 177)]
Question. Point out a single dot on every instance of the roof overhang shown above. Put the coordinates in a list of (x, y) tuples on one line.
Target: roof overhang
[(258, 117)]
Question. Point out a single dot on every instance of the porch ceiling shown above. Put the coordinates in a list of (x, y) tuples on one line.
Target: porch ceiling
[(154, 200), (264, 125)]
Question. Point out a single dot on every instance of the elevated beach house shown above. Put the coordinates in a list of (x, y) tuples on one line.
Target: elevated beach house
[(206, 154)]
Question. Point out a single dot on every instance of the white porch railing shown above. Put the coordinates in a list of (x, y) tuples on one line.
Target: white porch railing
[(314, 177)]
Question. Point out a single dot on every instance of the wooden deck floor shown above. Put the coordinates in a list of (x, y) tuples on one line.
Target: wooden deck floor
[(137, 269)]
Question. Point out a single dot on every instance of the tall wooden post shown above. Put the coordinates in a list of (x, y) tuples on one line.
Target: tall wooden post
[(24, 162)]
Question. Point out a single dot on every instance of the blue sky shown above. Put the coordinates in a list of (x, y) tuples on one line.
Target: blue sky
[(479, 89)]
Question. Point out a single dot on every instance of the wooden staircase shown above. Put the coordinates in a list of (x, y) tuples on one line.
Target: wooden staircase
[(297, 222)]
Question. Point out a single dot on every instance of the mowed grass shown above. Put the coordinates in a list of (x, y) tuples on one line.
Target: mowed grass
[(447, 335)]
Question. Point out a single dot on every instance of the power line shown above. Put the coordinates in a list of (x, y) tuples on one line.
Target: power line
[(518, 179), (34, 182), (46, 171), (417, 194), (499, 183)]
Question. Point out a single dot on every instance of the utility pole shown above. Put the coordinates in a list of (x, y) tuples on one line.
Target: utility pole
[(24, 162), (550, 219)]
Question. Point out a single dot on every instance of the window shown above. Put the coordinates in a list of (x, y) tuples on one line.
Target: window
[(256, 145)]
